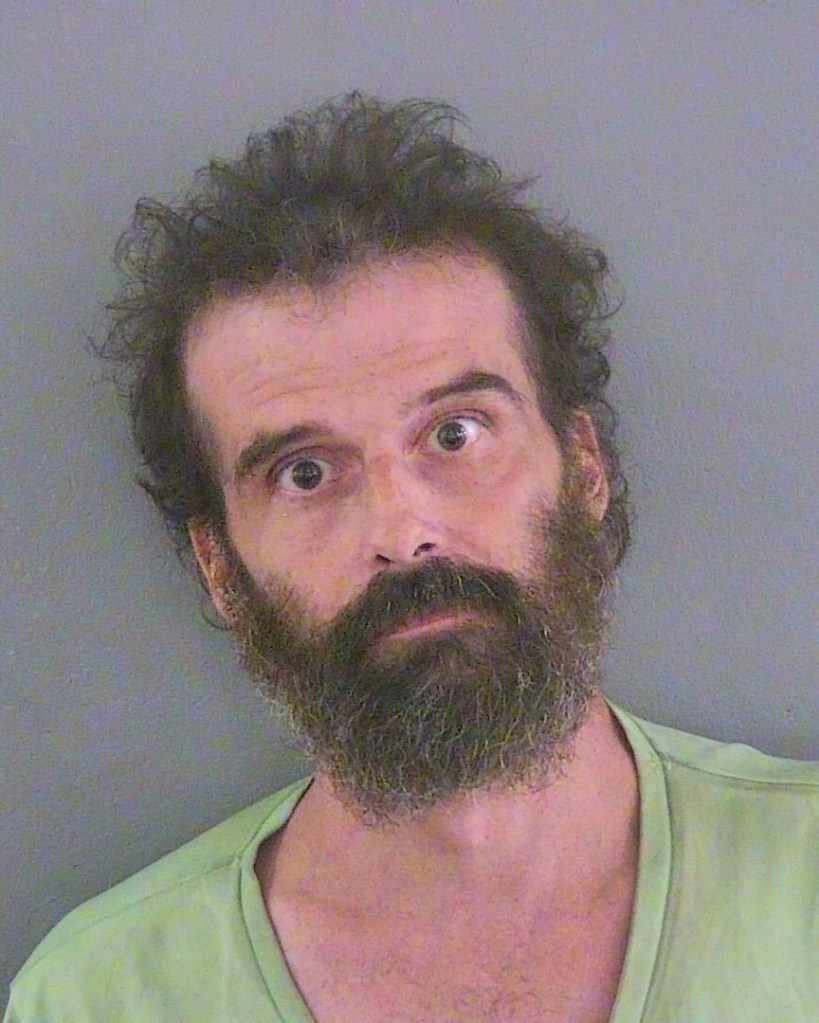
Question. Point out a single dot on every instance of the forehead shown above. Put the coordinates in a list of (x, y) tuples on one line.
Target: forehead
[(384, 331)]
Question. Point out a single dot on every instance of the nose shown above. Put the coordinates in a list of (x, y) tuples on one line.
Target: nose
[(400, 524)]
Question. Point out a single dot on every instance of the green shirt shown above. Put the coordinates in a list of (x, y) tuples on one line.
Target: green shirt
[(725, 928)]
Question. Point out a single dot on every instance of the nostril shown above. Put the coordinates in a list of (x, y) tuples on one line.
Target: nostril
[(423, 548)]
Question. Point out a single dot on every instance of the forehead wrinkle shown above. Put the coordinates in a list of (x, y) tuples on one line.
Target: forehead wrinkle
[(263, 375), (360, 370), (304, 306)]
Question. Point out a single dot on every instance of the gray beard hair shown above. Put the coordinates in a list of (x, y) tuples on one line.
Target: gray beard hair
[(493, 702)]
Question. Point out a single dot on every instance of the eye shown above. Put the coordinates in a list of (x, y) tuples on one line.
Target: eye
[(456, 433), (303, 475)]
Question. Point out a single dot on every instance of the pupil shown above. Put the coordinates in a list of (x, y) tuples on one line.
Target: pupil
[(452, 435), (306, 475)]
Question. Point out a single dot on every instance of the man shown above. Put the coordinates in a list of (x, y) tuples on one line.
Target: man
[(368, 385)]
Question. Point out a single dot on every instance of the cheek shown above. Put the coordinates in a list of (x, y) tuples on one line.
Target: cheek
[(496, 527), (504, 474), (505, 488), (297, 551), (512, 522)]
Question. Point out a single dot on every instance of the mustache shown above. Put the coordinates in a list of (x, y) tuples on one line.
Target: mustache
[(394, 599)]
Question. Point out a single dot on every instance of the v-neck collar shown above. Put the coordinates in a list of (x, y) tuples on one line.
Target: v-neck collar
[(651, 896)]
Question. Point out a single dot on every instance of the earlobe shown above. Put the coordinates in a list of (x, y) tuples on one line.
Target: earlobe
[(590, 464), (212, 560)]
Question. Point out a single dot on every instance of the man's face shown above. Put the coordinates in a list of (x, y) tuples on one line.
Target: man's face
[(396, 512)]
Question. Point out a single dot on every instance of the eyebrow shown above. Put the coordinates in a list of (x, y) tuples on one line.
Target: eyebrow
[(466, 383), (266, 444)]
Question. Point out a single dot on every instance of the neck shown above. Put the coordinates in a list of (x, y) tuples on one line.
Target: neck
[(575, 834)]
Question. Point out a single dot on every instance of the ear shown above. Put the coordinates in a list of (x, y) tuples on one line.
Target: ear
[(590, 464), (211, 557)]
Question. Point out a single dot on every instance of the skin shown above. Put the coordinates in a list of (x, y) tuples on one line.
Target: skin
[(363, 364), (358, 359)]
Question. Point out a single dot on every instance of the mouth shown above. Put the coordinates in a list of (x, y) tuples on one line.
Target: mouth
[(431, 624)]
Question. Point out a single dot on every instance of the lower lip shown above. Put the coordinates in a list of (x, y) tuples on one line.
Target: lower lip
[(436, 623)]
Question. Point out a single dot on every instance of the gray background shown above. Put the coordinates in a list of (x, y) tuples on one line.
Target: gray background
[(682, 135)]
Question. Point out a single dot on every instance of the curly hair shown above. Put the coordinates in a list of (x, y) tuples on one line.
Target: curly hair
[(321, 193)]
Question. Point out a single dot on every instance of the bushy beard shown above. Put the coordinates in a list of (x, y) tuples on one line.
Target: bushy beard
[(399, 724)]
